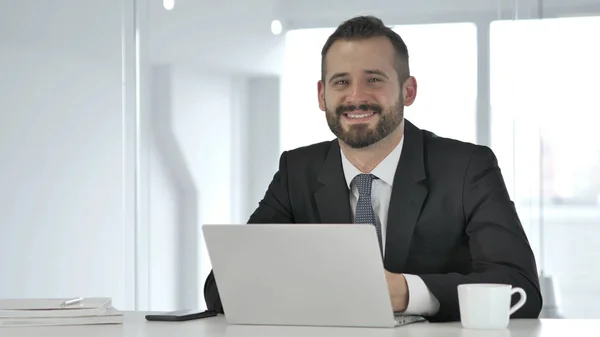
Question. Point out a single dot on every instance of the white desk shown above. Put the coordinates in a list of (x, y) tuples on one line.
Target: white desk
[(136, 325)]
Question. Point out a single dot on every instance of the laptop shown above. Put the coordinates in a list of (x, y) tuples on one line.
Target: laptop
[(301, 275)]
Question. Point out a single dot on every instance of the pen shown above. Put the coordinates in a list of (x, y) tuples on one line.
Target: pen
[(71, 302)]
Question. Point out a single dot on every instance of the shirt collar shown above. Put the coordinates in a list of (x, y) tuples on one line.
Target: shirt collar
[(385, 170)]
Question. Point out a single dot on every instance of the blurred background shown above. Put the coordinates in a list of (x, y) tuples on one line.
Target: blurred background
[(127, 124)]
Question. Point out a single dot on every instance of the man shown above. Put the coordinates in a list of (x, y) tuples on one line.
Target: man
[(440, 206)]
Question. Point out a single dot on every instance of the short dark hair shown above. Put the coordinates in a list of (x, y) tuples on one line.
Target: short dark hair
[(366, 27)]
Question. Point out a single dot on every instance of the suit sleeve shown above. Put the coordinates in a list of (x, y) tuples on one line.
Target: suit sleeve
[(275, 207), (500, 251)]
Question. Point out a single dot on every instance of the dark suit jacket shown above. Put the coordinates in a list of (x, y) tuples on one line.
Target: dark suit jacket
[(450, 219)]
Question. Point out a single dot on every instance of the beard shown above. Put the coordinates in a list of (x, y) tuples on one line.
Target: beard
[(362, 135)]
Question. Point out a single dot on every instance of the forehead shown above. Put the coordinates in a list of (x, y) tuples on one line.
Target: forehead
[(358, 55)]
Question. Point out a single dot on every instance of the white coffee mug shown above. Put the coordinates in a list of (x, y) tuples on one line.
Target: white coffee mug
[(487, 305)]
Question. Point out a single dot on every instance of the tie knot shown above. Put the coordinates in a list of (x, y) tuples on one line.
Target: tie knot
[(363, 183)]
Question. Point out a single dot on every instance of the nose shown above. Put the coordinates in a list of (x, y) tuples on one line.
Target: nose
[(358, 93)]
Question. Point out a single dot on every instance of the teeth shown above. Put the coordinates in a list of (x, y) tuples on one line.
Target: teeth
[(360, 116)]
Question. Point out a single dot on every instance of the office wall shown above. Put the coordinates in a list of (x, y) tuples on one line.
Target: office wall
[(190, 178), (264, 140)]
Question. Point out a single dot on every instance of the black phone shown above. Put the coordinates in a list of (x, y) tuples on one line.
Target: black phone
[(181, 315)]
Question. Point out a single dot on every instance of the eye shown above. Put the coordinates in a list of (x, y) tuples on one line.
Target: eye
[(341, 82), (374, 79)]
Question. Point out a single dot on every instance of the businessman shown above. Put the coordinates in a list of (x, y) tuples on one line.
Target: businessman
[(440, 207)]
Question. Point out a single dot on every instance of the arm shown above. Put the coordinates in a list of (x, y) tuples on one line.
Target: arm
[(420, 301), (275, 207), (500, 251)]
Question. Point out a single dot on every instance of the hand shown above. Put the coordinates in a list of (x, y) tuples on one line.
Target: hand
[(398, 289)]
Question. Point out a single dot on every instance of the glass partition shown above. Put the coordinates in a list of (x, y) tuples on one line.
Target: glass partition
[(543, 119), (65, 222)]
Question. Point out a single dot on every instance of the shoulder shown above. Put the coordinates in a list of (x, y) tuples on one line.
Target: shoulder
[(315, 153), (303, 165), (452, 153), (442, 145), (450, 147)]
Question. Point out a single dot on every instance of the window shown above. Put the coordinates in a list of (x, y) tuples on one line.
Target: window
[(443, 59), (544, 94), (302, 122)]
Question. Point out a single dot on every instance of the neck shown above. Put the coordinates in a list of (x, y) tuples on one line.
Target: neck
[(367, 158)]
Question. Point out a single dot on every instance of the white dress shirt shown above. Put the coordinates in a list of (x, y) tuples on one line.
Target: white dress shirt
[(421, 301)]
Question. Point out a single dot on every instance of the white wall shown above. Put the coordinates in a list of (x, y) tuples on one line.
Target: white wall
[(263, 139), (168, 181), (163, 254), (202, 122)]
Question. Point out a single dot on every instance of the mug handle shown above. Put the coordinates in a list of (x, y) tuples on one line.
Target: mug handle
[(521, 302)]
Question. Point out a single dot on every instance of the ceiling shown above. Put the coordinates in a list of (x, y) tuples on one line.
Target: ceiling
[(228, 36), (234, 35)]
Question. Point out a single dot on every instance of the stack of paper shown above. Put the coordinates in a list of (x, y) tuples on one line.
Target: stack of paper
[(46, 312)]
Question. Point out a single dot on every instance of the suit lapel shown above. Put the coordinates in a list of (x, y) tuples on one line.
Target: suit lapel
[(333, 198), (408, 195)]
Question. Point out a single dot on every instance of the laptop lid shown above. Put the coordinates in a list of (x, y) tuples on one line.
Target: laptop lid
[(300, 274)]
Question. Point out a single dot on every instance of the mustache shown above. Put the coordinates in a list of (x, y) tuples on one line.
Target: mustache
[(364, 107)]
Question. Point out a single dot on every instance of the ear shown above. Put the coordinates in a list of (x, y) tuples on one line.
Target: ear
[(321, 94), (409, 91)]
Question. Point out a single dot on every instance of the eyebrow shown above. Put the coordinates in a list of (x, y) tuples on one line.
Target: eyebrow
[(336, 76), (368, 71), (376, 72)]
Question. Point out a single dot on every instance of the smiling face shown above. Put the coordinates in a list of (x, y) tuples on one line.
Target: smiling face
[(361, 92)]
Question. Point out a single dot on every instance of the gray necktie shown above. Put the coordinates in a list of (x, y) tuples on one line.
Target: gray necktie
[(364, 207)]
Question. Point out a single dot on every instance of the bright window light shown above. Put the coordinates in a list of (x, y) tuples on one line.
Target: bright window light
[(301, 121), (276, 27), (544, 96), (169, 4), (539, 86)]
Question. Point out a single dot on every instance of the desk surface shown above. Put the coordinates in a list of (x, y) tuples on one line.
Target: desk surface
[(136, 325)]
